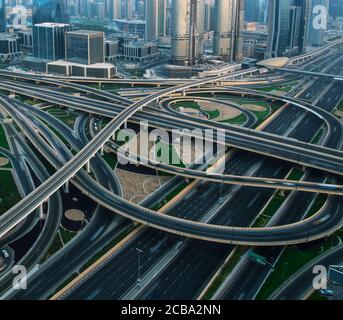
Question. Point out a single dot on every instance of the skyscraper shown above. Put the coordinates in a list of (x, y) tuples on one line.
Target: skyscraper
[(3, 22), (155, 13), (278, 27), (252, 10), (295, 26), (128, 9), (299, 16), (50, 11), (228, 29), (336, 8), (85, 47), (209, 15), (315, 35), (162, 17), (187, 31), (114, 9), (48, 40)]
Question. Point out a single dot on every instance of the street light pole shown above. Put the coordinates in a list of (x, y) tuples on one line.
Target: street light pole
[(139, 252)]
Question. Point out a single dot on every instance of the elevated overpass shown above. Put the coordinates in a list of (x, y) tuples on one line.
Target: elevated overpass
[(242, 138), (307, 230)]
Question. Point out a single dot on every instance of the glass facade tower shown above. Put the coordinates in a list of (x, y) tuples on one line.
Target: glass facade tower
[(278, 27), (50, 11), (48, 40), (3, 22), (85, 47)]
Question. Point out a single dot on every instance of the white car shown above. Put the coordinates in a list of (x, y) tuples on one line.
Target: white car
[(5, 254)]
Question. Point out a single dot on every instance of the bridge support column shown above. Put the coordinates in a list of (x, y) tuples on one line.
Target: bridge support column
[(66, 187), (282, 193), (99, 85), (102, 151), (125, 125), (42, 216), (88, 166)]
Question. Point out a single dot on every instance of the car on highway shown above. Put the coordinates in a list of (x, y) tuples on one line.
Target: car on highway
[(5, 254)]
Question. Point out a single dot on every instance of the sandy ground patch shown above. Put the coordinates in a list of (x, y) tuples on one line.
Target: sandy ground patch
[(279, 92), (339, 113), (254, 107), (3, 161), (74, 215), (137, 187), (226, 112)]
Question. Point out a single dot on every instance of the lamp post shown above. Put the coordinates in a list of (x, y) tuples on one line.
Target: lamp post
[(139, 252)]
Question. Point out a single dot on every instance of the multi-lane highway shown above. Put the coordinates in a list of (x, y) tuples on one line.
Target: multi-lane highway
[(198, 260), (298, 151), (180, 226)]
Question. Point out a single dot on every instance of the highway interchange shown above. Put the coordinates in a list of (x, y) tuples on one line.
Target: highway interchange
[(172, 256)]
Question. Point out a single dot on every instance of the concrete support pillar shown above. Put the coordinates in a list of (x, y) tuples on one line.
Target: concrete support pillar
[(282, 193), (66, 187), (41, 212), (102, 151), (88, 166), (125, 125)]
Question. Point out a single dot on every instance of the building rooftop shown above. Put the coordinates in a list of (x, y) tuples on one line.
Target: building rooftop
[(51, 24), (274, 62), (67, 63), (139, 44), (86, 32), (125, 21), (8, 36)]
